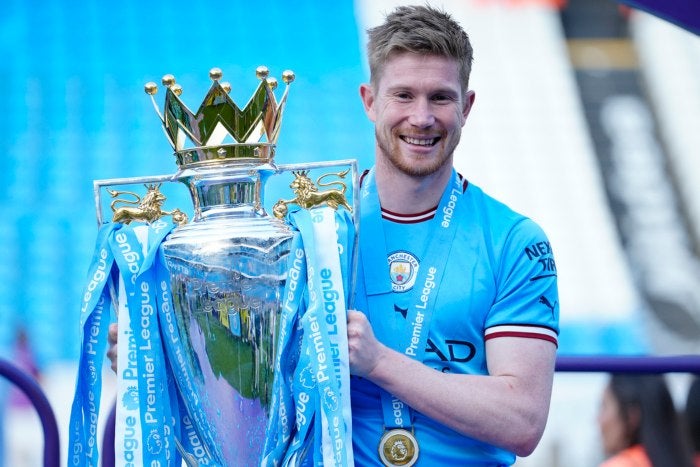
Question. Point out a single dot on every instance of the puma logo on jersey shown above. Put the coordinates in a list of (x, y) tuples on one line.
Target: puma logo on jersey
[(545, 301)]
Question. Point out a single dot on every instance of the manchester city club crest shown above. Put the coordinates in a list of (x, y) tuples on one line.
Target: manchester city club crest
[(403, 268)]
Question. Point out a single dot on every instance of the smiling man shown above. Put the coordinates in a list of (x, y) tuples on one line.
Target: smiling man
[(453, 343)]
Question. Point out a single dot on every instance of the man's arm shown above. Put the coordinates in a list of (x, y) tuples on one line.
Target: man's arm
[(507, 408)]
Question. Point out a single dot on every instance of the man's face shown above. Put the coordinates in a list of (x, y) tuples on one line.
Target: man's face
[(418, 108)]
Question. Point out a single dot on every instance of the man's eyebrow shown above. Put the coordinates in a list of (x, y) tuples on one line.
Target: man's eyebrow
[(411, 88)]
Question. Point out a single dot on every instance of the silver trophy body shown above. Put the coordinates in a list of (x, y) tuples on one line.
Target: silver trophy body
[(228, 269)]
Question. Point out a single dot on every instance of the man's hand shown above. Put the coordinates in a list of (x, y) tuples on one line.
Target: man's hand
[(364, 349), (112, 339)]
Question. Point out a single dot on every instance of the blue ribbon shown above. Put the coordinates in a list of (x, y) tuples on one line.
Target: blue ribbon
[(94, 322), (311, 422), (145, 436), (408, 336)]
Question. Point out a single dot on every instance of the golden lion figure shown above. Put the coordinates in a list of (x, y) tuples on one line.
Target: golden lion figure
[(146, 209), (308, 196)]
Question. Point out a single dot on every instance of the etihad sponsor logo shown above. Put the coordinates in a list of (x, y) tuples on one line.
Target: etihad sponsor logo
[(454, 351), (403, 269)]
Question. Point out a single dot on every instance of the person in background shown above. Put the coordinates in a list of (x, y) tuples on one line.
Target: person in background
[(639, 424), (692, 418)]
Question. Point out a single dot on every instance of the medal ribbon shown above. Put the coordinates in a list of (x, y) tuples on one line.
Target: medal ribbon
[(390, 327)]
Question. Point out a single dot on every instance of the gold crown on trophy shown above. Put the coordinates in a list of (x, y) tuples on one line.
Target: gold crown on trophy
[(220, 131)]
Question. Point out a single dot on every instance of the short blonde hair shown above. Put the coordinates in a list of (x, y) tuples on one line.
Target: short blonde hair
[(422, 30)]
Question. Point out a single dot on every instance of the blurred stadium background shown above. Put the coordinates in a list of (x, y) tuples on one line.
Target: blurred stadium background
[(586, 119)]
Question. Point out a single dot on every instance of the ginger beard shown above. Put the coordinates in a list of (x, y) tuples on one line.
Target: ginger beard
[(431, 153)]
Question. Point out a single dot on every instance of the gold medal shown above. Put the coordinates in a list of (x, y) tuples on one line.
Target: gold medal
[(398, 447)]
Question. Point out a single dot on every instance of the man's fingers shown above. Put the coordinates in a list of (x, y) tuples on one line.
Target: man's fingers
[(112, 334)]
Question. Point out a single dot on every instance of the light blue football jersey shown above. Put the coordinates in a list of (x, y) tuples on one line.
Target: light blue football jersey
[(499, 280)]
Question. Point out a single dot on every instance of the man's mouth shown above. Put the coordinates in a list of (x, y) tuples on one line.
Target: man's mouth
[(420, 141)]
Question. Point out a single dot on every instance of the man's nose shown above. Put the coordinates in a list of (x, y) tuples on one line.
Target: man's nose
[(421, 114)]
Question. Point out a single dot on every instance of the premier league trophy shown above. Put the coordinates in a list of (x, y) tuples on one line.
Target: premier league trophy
[(214, 294)]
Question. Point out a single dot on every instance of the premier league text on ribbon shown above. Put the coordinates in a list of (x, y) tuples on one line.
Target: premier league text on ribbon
[(417, 323), (330, 297)]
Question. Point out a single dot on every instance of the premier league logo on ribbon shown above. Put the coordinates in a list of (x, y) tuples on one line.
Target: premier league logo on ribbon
[(223, 313)]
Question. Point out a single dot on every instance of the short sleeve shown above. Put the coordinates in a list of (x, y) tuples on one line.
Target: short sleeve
[(527, 299)]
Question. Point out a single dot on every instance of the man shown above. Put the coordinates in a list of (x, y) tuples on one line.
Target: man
[(483, 314), (452, 350)]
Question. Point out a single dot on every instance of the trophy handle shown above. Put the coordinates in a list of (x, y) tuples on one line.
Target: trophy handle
[(355, 211), (153, 181), (98, 186)]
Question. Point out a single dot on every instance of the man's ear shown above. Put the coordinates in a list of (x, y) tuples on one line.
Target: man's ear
[(367, 96), (468, 103)]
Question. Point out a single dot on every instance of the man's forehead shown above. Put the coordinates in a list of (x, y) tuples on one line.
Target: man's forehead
[(413, 70)]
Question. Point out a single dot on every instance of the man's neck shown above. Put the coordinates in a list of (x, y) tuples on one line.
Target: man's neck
[(404, 194)]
